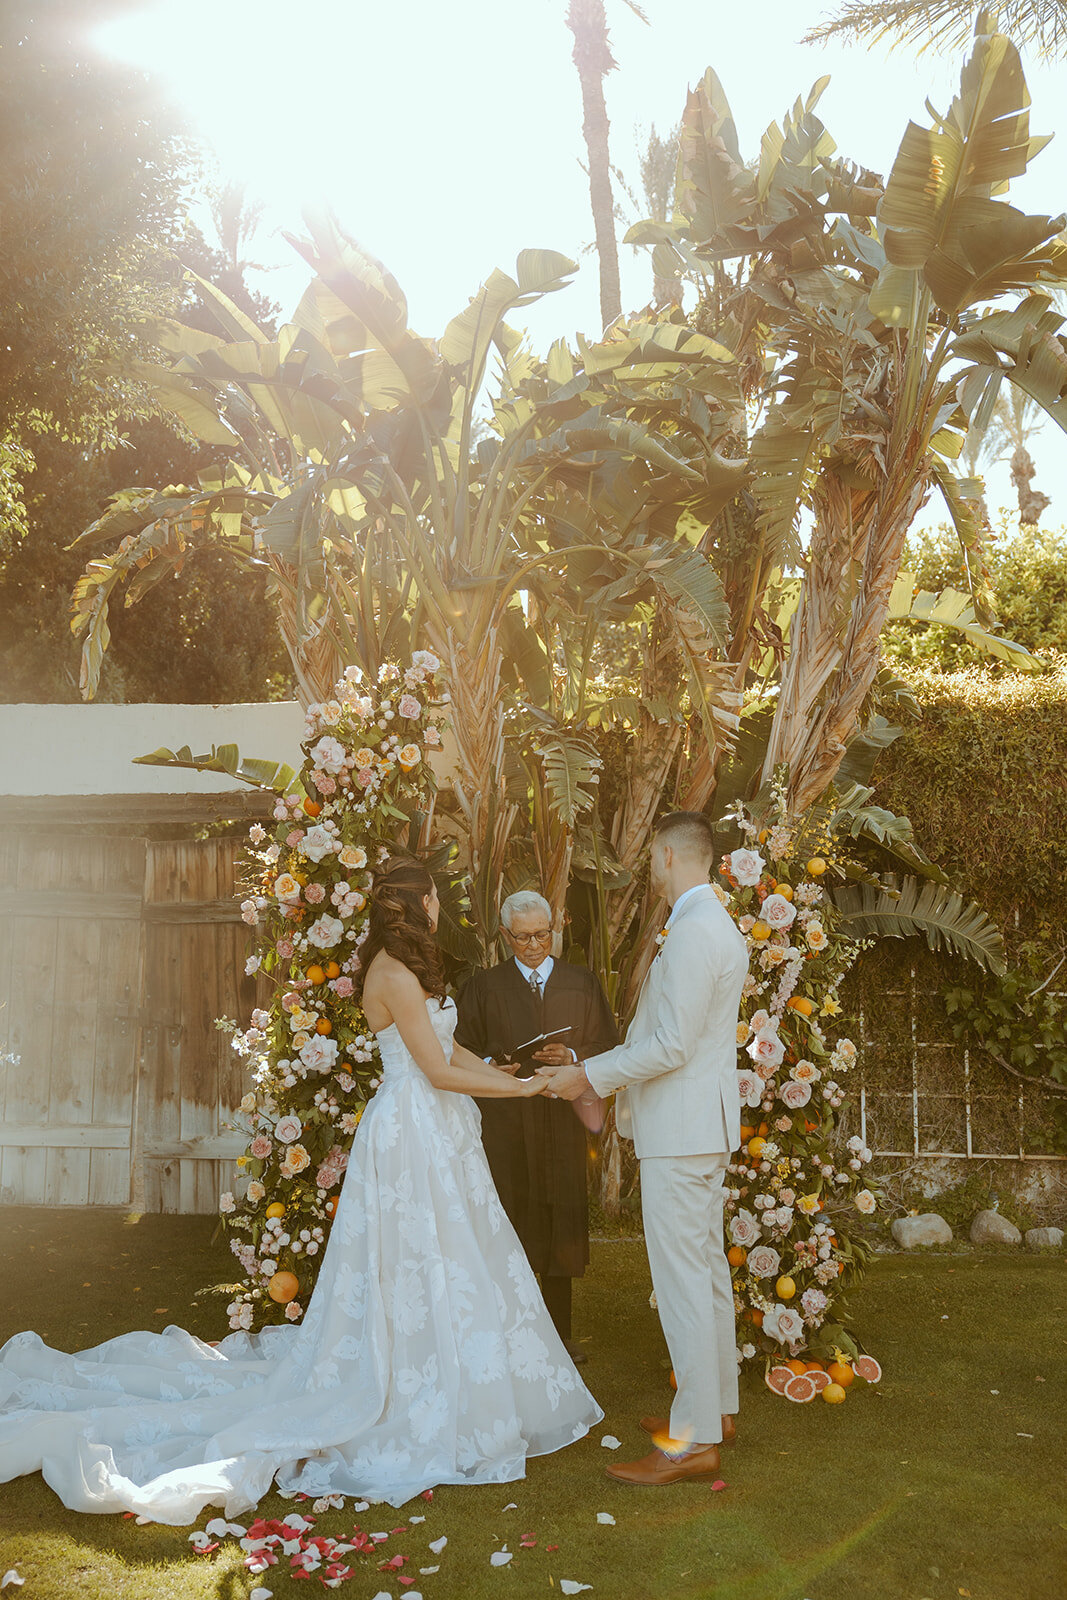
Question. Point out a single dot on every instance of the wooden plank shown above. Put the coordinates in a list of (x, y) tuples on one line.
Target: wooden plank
[(72, 1136), (75, 813), (238, 997), (115, 1062), (33, 993), (70, 1095), (213, 1148), (160, 1084), (198, 1188), (71, 905)]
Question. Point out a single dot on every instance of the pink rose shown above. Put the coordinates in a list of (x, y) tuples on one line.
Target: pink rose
[(314, 893), (764, 1261), (342, 987), (284, 948), (783, 1125), (766, 1049), (288, 1128), (261, 1147), (409, 707), (794, 1094), (324, 783), (778, 912), (364, 778), (294, 837), (749, 1088), (743, 1229)]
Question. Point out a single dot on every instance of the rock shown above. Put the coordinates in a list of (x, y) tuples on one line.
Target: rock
[(912, 1233), (989, 1227), (1044, 1238)]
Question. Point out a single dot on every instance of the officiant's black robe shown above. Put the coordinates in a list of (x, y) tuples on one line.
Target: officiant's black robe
[(537, 1148)]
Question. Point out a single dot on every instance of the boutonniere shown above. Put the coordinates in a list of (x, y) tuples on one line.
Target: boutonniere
[(661, 939)]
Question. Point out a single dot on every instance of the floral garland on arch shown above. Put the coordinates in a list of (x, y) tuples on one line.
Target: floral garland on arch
[(796, 1185), (312, 1058)]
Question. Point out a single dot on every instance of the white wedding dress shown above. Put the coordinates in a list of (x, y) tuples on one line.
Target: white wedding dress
[(425, 1356)]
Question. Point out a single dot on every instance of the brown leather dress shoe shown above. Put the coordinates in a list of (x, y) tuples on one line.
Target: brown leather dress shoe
[(661, 1468), (662, 1425)]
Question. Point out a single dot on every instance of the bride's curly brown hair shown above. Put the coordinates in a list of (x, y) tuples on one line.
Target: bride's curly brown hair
[(400, 925)]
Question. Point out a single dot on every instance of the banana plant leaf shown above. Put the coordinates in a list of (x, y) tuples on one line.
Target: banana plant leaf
[(258, 773), (942, 916)]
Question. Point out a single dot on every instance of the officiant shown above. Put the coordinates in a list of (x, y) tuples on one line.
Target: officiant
[(538, 1148)]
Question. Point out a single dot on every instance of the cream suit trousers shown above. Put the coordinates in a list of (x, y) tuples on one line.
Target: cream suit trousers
[(682, 1203)]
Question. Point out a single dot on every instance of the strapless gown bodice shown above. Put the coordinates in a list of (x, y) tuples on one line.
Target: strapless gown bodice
[(425, 1356)]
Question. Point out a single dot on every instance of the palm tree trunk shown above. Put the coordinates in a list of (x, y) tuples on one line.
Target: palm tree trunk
[(594, 60)]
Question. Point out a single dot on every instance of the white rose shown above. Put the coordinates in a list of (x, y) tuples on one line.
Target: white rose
[(317, 843), (743, 1229), (783, 1324), (255, 1192), (795, 1094), (328, 754), (750, 1088), (747, 867), (326, 932), (288, 1128), (226, 1202), (319, 1054), (352, 857), (778, 912), (866, 1202), (766, 1049)]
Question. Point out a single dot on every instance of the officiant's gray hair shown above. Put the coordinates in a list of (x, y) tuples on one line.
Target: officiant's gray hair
[(522, 901)]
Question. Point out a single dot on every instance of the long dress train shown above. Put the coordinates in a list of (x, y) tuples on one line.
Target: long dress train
[(425, 1356)]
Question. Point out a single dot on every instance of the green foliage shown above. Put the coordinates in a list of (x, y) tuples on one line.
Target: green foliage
[(981, 777), (1027, 571), (959, 1203)]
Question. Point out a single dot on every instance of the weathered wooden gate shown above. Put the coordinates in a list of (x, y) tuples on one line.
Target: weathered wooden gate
[(117, 953)]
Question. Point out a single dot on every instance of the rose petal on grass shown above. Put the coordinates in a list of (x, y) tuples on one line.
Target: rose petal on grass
[(717, 1485), (569, 1586), (437, 1545), (144, 1522), (362, 1505), (500, 1558), (259, 1593), (424, 1572), (606, 1518), (416, 1519), (609, 1442), (511, 1506), (12, 1577)]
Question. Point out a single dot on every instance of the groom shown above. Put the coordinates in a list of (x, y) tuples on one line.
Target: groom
[(677, 1075)]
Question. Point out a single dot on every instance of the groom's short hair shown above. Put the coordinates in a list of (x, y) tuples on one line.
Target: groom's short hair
[(689, 833)]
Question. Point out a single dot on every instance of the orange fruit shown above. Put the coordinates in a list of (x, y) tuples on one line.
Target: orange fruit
[(819, 1378), (283, 1287), (764, 1129), (833, 1394), (785, 1288), (332, 969), (840, 1372), (331, 1205), (736, 1256), (816, 866), (867, 1368), (761, 931), (755, 1147), (798, 1003), (755, 1317), (275, 1209), (813, 1366), (315, 974), (747, 1131), (312, 807), (797, 1366), (785, 890), (764, 835), (324, 1025)]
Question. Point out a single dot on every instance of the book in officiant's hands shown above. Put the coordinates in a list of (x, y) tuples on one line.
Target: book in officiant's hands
[(526, 1053)]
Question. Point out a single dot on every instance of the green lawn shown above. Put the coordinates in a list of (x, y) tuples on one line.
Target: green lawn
[(946, 1480)]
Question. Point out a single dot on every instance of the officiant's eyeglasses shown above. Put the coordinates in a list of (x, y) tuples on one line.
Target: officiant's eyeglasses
[(542, 937)]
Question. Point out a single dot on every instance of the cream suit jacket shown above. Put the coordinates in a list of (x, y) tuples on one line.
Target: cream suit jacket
[(677, 1068)]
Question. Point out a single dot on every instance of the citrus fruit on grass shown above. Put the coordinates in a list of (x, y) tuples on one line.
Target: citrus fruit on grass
[(833, 1394), (796, 1366), (777, 1378), (747, 1130), (840, 1372), (867, 1368), (673, 1380), (283, 1287), (801, 1388), (819, 1378)]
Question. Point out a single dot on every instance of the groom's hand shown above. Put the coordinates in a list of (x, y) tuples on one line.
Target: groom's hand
[(566, 1082)]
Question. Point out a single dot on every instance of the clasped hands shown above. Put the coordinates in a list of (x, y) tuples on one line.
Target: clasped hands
[(559, 1077)]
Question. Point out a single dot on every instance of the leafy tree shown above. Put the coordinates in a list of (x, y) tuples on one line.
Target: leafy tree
[(945, 24)]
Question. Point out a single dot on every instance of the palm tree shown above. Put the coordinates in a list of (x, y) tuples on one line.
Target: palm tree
[(592, 56), (946, 24), (1017, 419)]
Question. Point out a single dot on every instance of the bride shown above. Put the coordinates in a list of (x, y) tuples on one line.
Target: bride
[(426, 1355)]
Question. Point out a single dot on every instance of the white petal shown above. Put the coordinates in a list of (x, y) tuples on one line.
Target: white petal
[(361, 1505), (416, 1519), (606, 1517), (500, 1558), (511, 1506), (11, 1576), (144, 1522), (610, 1442), (437, 1545), (424, 1572), (569, 1586), (259, 1593)]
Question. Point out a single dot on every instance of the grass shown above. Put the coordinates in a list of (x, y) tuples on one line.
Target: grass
[(946, 1480)]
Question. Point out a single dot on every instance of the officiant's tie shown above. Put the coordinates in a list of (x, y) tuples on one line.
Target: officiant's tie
[(537, 986)]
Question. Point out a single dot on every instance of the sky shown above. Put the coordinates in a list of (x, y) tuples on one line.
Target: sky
[(448, 137)]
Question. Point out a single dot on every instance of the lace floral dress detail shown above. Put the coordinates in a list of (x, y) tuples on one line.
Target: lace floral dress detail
[(425, 1356)]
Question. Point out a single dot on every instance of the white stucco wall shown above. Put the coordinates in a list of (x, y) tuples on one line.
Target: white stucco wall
[(90, 749)]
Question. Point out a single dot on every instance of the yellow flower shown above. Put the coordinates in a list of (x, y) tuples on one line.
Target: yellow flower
[(409, 757), (831, 1007), (808, 1203)]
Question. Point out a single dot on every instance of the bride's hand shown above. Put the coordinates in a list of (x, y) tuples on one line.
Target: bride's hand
[(528, 1087)]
